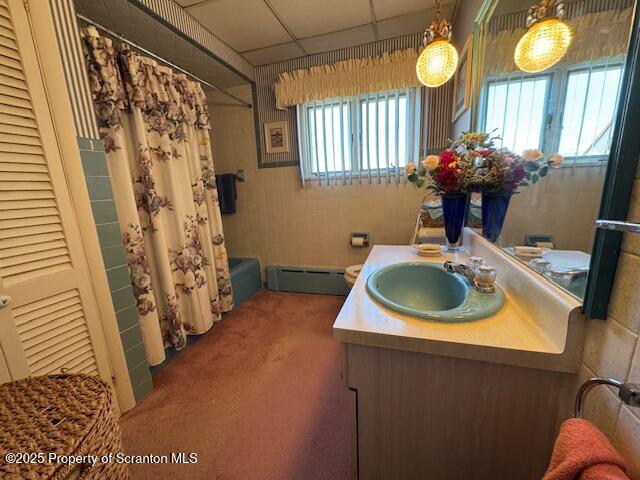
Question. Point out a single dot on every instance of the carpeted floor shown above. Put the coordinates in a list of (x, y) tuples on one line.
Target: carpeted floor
[(259, 397)]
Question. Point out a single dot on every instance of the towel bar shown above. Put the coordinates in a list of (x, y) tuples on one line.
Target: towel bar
[(618, 226), (629, 393)]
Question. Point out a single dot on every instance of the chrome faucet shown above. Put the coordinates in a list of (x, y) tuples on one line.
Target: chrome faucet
[(478, 273)]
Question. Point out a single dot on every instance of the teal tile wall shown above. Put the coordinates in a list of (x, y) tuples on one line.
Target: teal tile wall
[(104, 214)]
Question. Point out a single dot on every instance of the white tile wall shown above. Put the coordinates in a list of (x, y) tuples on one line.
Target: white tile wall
[(613, 348), (565, 205), (281, 222)]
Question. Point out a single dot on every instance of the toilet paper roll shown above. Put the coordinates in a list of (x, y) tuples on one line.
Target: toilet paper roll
[(357, 242)]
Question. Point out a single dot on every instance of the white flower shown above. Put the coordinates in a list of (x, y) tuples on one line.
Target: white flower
[(556, 160), (142, 280), (410, 168), (189, 280), (532, 155), (430, 162)]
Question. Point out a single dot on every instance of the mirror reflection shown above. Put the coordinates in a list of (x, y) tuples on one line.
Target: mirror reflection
[(565, 113)]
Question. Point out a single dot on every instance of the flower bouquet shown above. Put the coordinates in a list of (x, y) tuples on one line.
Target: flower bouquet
[(448, 175), (472, 163), (499, 175)]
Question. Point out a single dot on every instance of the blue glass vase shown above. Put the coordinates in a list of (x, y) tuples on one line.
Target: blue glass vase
[(454, 211), (494, 210)]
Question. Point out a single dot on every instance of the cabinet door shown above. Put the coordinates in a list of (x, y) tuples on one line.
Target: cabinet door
[(49, 322)]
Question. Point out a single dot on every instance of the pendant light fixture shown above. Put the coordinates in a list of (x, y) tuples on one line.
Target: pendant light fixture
[(547, 38), (438, 61)]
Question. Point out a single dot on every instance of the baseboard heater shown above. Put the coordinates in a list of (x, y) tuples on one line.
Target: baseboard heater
[(326, 281)]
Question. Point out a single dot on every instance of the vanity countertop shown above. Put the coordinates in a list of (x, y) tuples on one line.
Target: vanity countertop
[(515, 336)]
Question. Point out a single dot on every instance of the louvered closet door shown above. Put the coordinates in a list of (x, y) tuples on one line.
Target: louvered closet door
[(50, 322)]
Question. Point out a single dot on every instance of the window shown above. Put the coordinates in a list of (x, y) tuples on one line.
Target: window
[(372, 135), (589, 111), (568, 109), (515, 110)]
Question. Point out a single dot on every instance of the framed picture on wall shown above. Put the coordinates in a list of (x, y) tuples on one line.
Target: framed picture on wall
[(462, 81), (276, 136)]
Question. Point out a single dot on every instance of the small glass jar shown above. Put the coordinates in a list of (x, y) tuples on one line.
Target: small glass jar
[(540, 265), (474, 262), (560, 277)]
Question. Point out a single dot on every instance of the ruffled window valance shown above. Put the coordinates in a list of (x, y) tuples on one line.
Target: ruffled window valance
[(597, 35), (347, 78)]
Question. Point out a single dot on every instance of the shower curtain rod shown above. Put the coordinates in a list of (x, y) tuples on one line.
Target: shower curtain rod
[(163, 60)]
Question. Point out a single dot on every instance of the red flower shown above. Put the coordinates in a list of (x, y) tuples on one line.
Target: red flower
[(448, 179), (447, 157)]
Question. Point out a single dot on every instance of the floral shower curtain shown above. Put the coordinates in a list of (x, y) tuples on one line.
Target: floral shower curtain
[(155, 129)]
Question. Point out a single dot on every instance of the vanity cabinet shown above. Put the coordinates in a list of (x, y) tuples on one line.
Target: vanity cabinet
[(421, 416), (446, 400)]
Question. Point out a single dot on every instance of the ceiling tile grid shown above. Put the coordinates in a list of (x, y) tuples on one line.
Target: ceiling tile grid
[(265, 31), (243, 24), (268, 31), (277, 53), (311, 18), (342, 39)]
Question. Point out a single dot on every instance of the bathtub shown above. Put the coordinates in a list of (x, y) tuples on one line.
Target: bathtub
[(245, 281), (246, 278)]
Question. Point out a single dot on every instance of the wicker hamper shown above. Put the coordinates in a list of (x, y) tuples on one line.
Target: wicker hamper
[(65, 414)]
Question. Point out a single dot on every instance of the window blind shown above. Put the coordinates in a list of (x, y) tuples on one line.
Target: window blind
[(364, 138), (568, 110)]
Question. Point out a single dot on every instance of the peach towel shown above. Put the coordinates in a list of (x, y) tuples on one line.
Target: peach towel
[(582, 452)]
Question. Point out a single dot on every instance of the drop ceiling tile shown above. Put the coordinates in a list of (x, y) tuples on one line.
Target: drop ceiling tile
[(306, 18), (342, 39), (243, 24), (278, 53), (393, 8), (412, 23)]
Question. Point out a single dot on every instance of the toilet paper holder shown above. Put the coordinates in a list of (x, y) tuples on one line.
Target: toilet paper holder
[(359, 239)]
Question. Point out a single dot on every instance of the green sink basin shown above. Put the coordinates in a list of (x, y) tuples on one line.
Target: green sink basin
[(426, 290)]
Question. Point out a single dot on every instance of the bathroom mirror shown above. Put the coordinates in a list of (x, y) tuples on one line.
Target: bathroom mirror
[(567, 112)]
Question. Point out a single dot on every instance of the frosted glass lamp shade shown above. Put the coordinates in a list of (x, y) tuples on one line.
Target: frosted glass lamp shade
[(544, 44), (437, 63)]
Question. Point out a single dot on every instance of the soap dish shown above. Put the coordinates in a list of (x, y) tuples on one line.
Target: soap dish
[(428, 249), (529, 252)]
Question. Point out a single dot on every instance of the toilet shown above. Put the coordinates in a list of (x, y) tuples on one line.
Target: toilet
[(351, 274)]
